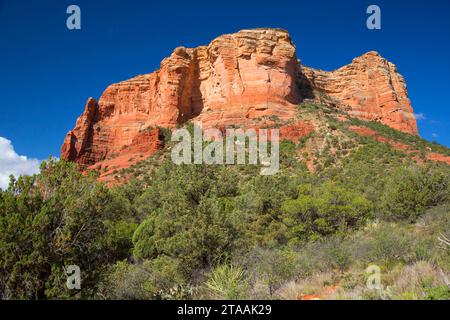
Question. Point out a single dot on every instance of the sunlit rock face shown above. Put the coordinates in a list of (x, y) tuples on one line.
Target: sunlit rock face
[(237, 79), (370, 88)]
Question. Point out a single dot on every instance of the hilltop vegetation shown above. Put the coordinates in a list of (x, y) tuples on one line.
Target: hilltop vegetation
[(217, 231)]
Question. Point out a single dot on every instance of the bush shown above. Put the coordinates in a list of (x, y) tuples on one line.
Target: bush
[(151, 279), (53, 220), (187, 221), (337, 255), (257, 209), (227, 282), (389, 243), (270, 268), (409, 192), (125, 282), (324, 210)]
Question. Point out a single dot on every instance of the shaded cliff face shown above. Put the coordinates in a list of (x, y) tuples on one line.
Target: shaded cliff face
[(236, 80)]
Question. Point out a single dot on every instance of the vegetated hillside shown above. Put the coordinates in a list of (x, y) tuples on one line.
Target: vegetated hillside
[(323, 139), (349, 194)]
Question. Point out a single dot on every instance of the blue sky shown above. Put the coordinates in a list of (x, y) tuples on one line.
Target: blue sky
[(47, 71)]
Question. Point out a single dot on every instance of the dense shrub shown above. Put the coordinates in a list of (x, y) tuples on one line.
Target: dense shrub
[(324, 210), (53, 220), (151, 279), (269, 268), (187, 221), (410, 191)]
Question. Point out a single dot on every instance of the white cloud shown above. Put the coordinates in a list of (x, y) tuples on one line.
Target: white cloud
[(12, 163), (420, 116)]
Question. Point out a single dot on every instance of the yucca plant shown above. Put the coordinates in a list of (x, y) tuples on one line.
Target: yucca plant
[(227, 282)]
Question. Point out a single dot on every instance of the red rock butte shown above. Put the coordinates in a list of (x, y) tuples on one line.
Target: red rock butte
[(234, 80)]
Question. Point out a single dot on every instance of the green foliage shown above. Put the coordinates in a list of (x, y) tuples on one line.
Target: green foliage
[(366, 169), (50, 221), (270, 267), (410, 191), (258, 207), (324, 210), (441, 292), (389, 243), (125, 281), (227, 282), (412, 140), (187, 221), (151, 279), (337, 255), (119, 235)]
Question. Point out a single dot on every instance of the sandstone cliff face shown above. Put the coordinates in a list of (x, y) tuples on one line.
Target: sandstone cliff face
[(235, 80), (369, 88)]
